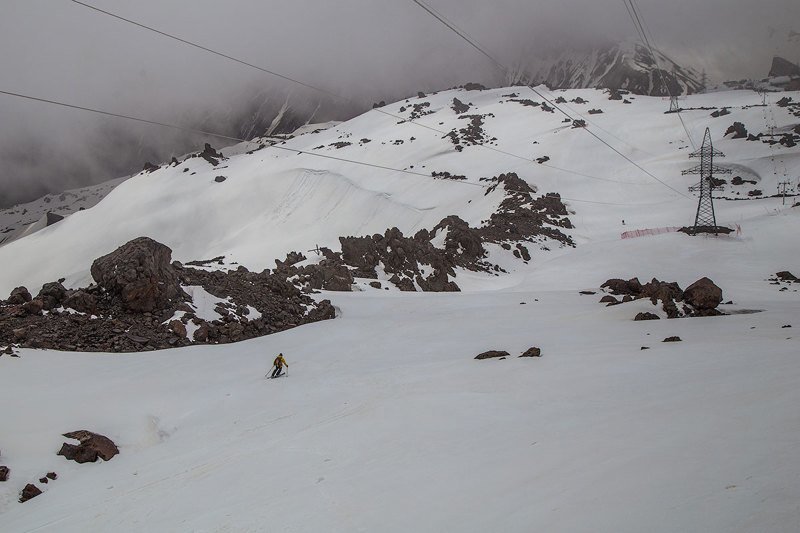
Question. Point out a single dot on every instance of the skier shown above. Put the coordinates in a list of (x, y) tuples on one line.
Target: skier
[(279, 362)]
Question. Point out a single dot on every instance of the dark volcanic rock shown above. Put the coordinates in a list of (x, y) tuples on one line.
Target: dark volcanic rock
[(4, 472), (738, 130), (703, 294), (785, 275), (177, 327), (459, 107), (34, 307), (672, 339), (90, 448), (30, 491), (107, 324), (81, 301), (210, 155), (532, 352), (19, 296), (140, 274), (52, 294), (491, 354), (619, 286), (646, 316)]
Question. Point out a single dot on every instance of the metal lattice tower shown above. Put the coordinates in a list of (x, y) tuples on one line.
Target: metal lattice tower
[(674, 106), (705, 220)]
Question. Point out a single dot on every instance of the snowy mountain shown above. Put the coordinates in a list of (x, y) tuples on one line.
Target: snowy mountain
[(624, 65), (387, 422), (24, 219)]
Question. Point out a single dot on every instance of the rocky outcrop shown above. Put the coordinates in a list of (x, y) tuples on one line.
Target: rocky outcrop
[(30, 491), (491, 354), (532, 352), (704, 296), (738, 130), (19, 296), (139, 274), (81, 301), (52, 294), (701, 300), (109, 317), (210, 155), (92, 446), (415, 263)]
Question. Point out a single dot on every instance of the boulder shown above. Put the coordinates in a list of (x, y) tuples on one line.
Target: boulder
[(30, 491), (738, 130), (661, 290), (608, 299), (4, 471), (139, 274), (201, 333), (532, 352), (19, 296), (34, 307), (52, 294), (177, 327), (620, 286), (646, 316), (491, 354), (52, 475), (82, 302), (672, 339), (784, 275), (92, 446), (703, 294)]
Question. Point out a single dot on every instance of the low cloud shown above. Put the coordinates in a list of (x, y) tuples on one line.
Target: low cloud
[(365, 51)]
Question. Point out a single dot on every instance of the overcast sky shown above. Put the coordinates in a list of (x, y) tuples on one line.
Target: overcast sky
[(366, 49)]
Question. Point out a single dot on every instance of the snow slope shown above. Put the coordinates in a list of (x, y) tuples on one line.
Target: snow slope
[(274, 201), (21, 220), (386, 422)]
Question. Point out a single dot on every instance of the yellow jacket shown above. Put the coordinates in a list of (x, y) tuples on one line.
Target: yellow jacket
[(280, 361)]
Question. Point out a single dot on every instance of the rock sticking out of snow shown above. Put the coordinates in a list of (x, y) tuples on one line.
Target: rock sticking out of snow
[(491, 354), (92, 446)]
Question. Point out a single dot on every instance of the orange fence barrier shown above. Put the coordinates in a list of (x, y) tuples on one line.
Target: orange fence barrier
[(645, 232)]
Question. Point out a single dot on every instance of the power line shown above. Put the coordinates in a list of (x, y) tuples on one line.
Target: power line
[(472, 43), (322, 90), (460, 33), (201, 47), (642, 30), (287, 149)]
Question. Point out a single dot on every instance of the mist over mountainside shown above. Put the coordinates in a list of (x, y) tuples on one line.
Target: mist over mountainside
[(624, 65), (77, 55), (121, 148)]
